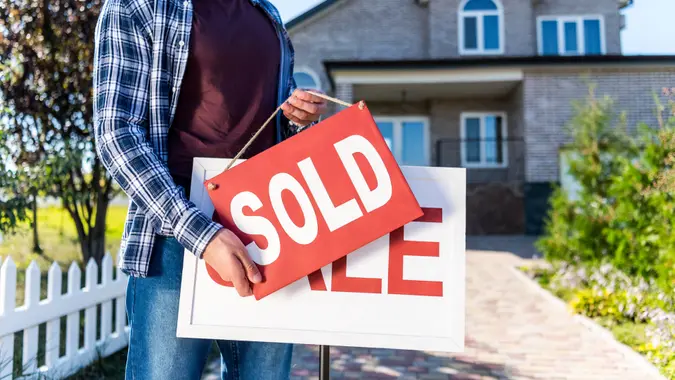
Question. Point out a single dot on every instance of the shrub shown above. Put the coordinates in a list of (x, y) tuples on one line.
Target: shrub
[(618, 216)]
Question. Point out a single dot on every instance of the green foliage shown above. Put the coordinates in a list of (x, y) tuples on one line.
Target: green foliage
[(13, 209), (619, 216), (599, 304), (46, 69), (614, 307), (611, 244)]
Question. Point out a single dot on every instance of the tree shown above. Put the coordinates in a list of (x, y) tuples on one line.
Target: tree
[(13, 208), (46, 53)]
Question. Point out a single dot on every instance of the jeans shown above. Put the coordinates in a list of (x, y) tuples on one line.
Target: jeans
[(155, 353)]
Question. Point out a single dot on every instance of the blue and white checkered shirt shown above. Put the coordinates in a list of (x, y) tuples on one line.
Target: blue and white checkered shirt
[(141, 50)]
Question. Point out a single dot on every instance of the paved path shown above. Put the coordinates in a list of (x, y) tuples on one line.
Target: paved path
[(513, 332)]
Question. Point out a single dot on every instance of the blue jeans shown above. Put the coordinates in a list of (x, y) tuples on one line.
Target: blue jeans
[(155, 353)]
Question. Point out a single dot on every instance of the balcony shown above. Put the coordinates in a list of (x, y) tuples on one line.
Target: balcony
[(487, 160)]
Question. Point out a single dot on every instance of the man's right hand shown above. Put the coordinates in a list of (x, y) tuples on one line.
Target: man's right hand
[(228, 256)]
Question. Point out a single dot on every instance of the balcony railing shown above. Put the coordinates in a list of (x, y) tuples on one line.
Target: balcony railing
[(488, 160)]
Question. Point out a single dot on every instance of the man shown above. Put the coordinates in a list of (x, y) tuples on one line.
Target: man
[(174, 80)]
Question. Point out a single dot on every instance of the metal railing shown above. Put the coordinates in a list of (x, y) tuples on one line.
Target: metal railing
[(488, 160)]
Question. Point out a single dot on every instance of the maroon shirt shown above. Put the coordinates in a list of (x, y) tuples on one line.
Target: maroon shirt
[(229, 88)]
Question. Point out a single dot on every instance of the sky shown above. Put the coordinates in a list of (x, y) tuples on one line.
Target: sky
[(649, 24)]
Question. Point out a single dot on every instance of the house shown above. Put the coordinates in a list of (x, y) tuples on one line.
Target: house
[(482, 84)]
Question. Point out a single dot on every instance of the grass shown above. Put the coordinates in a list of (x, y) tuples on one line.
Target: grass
[(110, 368), (58, 239)]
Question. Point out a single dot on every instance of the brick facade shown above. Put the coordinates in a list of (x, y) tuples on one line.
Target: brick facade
[(519, 28), (608, 9), (402, 29), (548, 97), (361, 30)]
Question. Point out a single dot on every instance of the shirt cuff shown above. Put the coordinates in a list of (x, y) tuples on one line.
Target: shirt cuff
[(299, 127), (195, 231)]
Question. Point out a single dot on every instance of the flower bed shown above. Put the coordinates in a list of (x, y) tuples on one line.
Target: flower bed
[(639, 313)]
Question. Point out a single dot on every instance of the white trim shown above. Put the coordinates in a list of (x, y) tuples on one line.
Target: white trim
[(397, 122), (581, 41), (462, 134), (480, 50), (311, 73), (422, 76)]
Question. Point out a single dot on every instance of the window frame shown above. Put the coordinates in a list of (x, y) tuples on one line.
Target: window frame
[(581, 37), (462, 133), (480, 16), (397, 123), (311, 73)]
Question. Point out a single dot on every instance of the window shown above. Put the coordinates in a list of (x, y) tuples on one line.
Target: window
[(571, 35), (306, 78), (407, 137), (568, 183), (483, 140), (481, 27)]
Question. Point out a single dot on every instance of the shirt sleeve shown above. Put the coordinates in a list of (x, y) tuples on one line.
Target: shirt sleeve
[(122, 67)]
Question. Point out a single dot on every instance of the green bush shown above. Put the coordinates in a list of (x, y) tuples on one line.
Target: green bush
[(618, 215), (599, 304), (614, 306)]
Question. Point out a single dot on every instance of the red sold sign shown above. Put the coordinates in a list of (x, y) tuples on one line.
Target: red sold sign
[(313, 199)]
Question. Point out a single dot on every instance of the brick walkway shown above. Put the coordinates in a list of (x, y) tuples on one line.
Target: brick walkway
[(513, 332)]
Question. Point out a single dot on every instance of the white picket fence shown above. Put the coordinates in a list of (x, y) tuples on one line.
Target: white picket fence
[(34, 312)]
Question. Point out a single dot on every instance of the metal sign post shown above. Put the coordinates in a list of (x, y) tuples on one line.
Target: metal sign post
[(324, 360)]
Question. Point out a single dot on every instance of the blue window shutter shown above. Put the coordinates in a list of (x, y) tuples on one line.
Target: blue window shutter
[(491, 32), (571, 38), (549, 37), (470, 32), (480, 5), (413, 144), (592, 37)]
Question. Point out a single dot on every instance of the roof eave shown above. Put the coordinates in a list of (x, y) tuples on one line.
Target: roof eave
[(625, 3), (310, 13), (499, 62)]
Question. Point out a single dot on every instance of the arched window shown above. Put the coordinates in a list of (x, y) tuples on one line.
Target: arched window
[(481, 27), (305, 78)]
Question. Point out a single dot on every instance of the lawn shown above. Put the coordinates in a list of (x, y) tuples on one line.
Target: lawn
[(58, 238)]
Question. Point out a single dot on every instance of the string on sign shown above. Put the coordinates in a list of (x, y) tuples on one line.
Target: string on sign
[(213, 186)]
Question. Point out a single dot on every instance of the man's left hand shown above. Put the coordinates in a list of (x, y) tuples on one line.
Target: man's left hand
[(303, 108)]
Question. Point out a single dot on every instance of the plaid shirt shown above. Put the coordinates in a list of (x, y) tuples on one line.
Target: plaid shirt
[(141, 50)]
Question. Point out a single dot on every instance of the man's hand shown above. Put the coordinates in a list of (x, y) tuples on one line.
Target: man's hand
[(303, 108), (228, 256)]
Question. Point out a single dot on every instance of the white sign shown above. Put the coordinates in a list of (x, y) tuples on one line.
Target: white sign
[(405, 290)]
